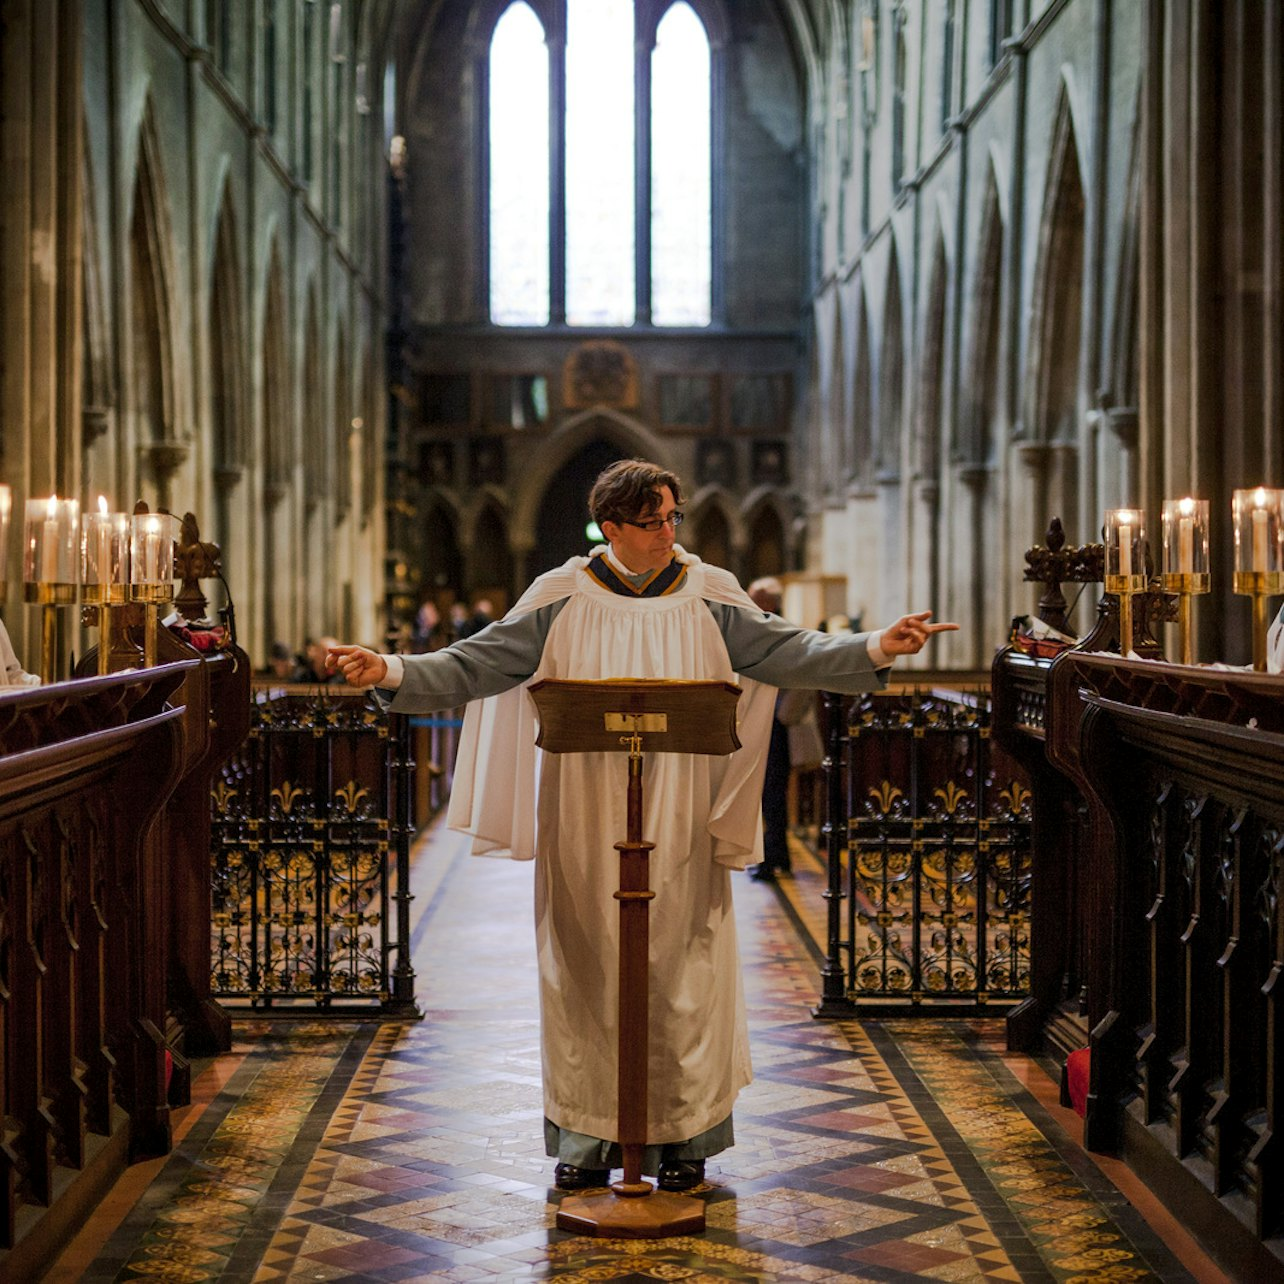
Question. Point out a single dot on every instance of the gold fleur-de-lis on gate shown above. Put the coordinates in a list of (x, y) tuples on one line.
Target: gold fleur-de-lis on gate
[(885, 795), (287, 796), (950, 796), (1015, 796), (222, 795), (351, 795)]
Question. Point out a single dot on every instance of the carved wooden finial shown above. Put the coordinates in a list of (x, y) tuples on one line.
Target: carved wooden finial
[(1053, 564), (194, 560)]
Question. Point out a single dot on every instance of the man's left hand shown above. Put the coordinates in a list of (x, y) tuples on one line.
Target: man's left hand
[(909, 635)]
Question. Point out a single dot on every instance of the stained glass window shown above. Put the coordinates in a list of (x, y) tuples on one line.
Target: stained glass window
[(599, 162), (680, 171), (519, 170)]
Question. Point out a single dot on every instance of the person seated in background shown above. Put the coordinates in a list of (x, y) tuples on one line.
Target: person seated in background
[(282, 664), (14, 674), (483, 614), (315, 669)]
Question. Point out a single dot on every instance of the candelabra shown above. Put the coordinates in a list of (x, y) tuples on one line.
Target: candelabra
[(151, 571), (104, 566), (1185, 561), (1259, 556), (50, 567), (1125, 565)]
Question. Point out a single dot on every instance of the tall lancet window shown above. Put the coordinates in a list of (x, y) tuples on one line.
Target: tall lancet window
[(599, 162), (681, 171), (617, 210), (519, 170)]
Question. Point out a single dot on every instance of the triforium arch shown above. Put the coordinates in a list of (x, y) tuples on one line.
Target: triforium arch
[(713, 530), (488, 559), (767, 523), (1057, 407), (152, 397)]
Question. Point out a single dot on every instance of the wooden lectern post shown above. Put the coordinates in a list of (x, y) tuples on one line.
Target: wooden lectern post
[(633, 715)]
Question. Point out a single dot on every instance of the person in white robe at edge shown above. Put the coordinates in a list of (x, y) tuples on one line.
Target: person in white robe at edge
[(12, 674), (639, 607)]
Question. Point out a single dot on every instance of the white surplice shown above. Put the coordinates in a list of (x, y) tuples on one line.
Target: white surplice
[(702, 814)]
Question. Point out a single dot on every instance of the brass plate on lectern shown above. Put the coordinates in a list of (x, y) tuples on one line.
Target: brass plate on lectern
[(637, 721)]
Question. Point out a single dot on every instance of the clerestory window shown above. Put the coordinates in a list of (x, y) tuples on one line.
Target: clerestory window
[(605, 217)]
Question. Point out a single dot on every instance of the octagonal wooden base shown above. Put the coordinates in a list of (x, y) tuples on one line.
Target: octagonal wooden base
[(655, 1216)]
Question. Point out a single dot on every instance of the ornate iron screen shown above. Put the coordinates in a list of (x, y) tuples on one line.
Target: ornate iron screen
[(311, 857), (927, 834)]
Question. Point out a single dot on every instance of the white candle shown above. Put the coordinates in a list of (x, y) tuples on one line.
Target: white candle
[(1125, 549), (49, 544), (1186, 538), (1261, 561), (151, 553), (104, 542)]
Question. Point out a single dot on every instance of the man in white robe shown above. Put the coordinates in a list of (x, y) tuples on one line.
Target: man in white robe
[(641, 607)]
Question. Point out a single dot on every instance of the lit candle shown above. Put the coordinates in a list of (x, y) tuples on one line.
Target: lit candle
[(104, 542), (1261, 562), (151, 552), (1186, 537), (1125, 549), (49, 544)]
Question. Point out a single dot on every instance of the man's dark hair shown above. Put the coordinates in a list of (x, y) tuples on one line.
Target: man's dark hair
[(630, 489)]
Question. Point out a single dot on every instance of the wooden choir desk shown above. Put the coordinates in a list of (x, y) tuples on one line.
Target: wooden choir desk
[(1159, 924), (104, 928)]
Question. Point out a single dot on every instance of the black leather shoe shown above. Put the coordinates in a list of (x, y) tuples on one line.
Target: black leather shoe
[(763, 874), (680, 1174), (569, 1177)]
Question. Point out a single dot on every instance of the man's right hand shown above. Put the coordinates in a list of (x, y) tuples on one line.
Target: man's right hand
[(360, 666)]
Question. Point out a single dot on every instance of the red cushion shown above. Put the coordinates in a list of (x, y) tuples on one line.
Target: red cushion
[(1078, 1064)]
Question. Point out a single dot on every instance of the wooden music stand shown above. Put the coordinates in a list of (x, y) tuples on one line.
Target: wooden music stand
[(634, 715)]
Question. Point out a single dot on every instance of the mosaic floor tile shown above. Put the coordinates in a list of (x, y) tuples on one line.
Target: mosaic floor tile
[(889, 1150)]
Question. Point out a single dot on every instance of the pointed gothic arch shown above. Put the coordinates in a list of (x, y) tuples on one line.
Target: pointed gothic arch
[(151, 397), (835, 421), (277, 427), (973, 445), (926, 452), (342, 426), (98, 393), (1058, 295), (229, 420), (313, 434), (628, 437), (717, 533), (862, 399), (767, 551), (891, 376)]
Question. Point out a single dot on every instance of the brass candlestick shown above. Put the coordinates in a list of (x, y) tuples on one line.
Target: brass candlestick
[(49, 597), (1259, 585), (1125, 541), (104, 597)]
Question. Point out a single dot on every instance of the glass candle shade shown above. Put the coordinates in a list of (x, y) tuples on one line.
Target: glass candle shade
[(1184, 561), (151, 558), (1125, 550), (6, 510), (1259, 540), (105, 558), (51, 551)]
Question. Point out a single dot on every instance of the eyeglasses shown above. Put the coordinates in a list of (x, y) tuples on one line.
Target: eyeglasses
[(673, 519)]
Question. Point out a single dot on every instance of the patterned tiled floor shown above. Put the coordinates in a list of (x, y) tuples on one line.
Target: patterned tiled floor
[(877, 1151)]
